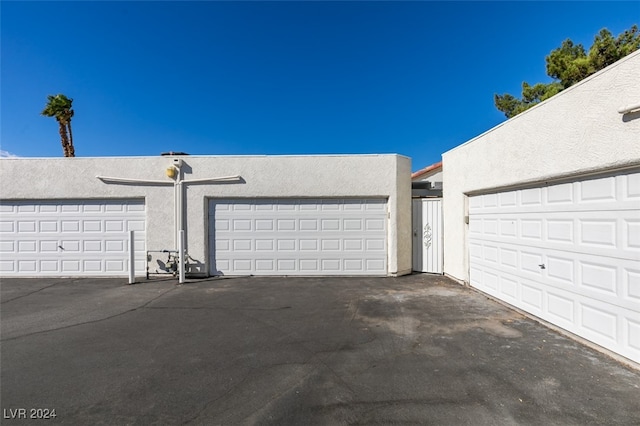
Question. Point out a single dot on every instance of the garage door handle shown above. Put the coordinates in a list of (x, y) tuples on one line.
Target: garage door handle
[(61, 248), (542, 266)]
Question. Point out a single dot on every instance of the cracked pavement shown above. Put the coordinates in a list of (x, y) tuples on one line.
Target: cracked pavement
[(419, 349)]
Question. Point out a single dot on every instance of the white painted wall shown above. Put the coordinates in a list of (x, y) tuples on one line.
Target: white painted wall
[(400, 233), (577, 131), (385, 176)]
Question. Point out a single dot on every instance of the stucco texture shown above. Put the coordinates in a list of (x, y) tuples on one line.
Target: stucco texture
[(578, 131), (376, 176)]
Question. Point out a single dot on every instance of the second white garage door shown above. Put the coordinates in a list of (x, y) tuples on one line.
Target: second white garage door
[(568, 253), (298, 237)]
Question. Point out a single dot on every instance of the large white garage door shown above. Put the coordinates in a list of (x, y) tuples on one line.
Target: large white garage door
[(568, 253), (70, 238), (298, 237)]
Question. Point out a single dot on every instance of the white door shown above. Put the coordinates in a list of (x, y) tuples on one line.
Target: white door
[(427, 235), (568, 253), (298, 237), (70, 238)]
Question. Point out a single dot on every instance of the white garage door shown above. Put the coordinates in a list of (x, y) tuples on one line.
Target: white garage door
[(568, 253), (298, 237), (70, 238)]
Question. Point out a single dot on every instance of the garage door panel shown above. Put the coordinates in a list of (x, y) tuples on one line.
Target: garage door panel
[(598, 277), (376, 266), (598, 189), (561, 269), (598, 232), (375, 244), (68, 208), (631, 333), (489, 226), (507, 199), (614, 291), (531, 297), (7, 266), (71, 266), (94, 265), (561, 308), (49, 246), (310, 265), (520, 292), (508, 288), (529, 197), (560, 194), (298, 237), (573, 260), (588, 233), (600, 323), (507, 228), (631, 234), (490, 254), (303, 248), (27, 226), (530, 263), (49, 266), (7, 246), (530, 229), (70, 246), (619, 193), (26, 246), (27, 266), (267, 265), (309, 245), (490, 279), (560, 231), (135, 225), (508, 258), (116, 266), (632, 283), (631, 187), (48, 226)]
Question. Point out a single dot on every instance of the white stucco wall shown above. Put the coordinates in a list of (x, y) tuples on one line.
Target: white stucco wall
[(384, 176), (576, 132), (403, 228)]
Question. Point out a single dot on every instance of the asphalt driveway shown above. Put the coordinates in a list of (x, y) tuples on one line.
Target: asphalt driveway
[(291, 351)]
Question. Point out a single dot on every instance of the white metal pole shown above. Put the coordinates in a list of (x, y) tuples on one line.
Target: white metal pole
[(176, 215), (181, 260), (132, 259), (179, 207)]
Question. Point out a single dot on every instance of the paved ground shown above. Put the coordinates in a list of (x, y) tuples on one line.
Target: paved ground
[(291, 351)]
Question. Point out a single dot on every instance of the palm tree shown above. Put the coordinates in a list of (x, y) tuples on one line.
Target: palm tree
[(59, 106)]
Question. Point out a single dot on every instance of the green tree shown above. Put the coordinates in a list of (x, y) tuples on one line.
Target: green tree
[(59, 106), (569, 64)]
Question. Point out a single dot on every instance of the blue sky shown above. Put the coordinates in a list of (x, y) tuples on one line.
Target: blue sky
[(227, 78)]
